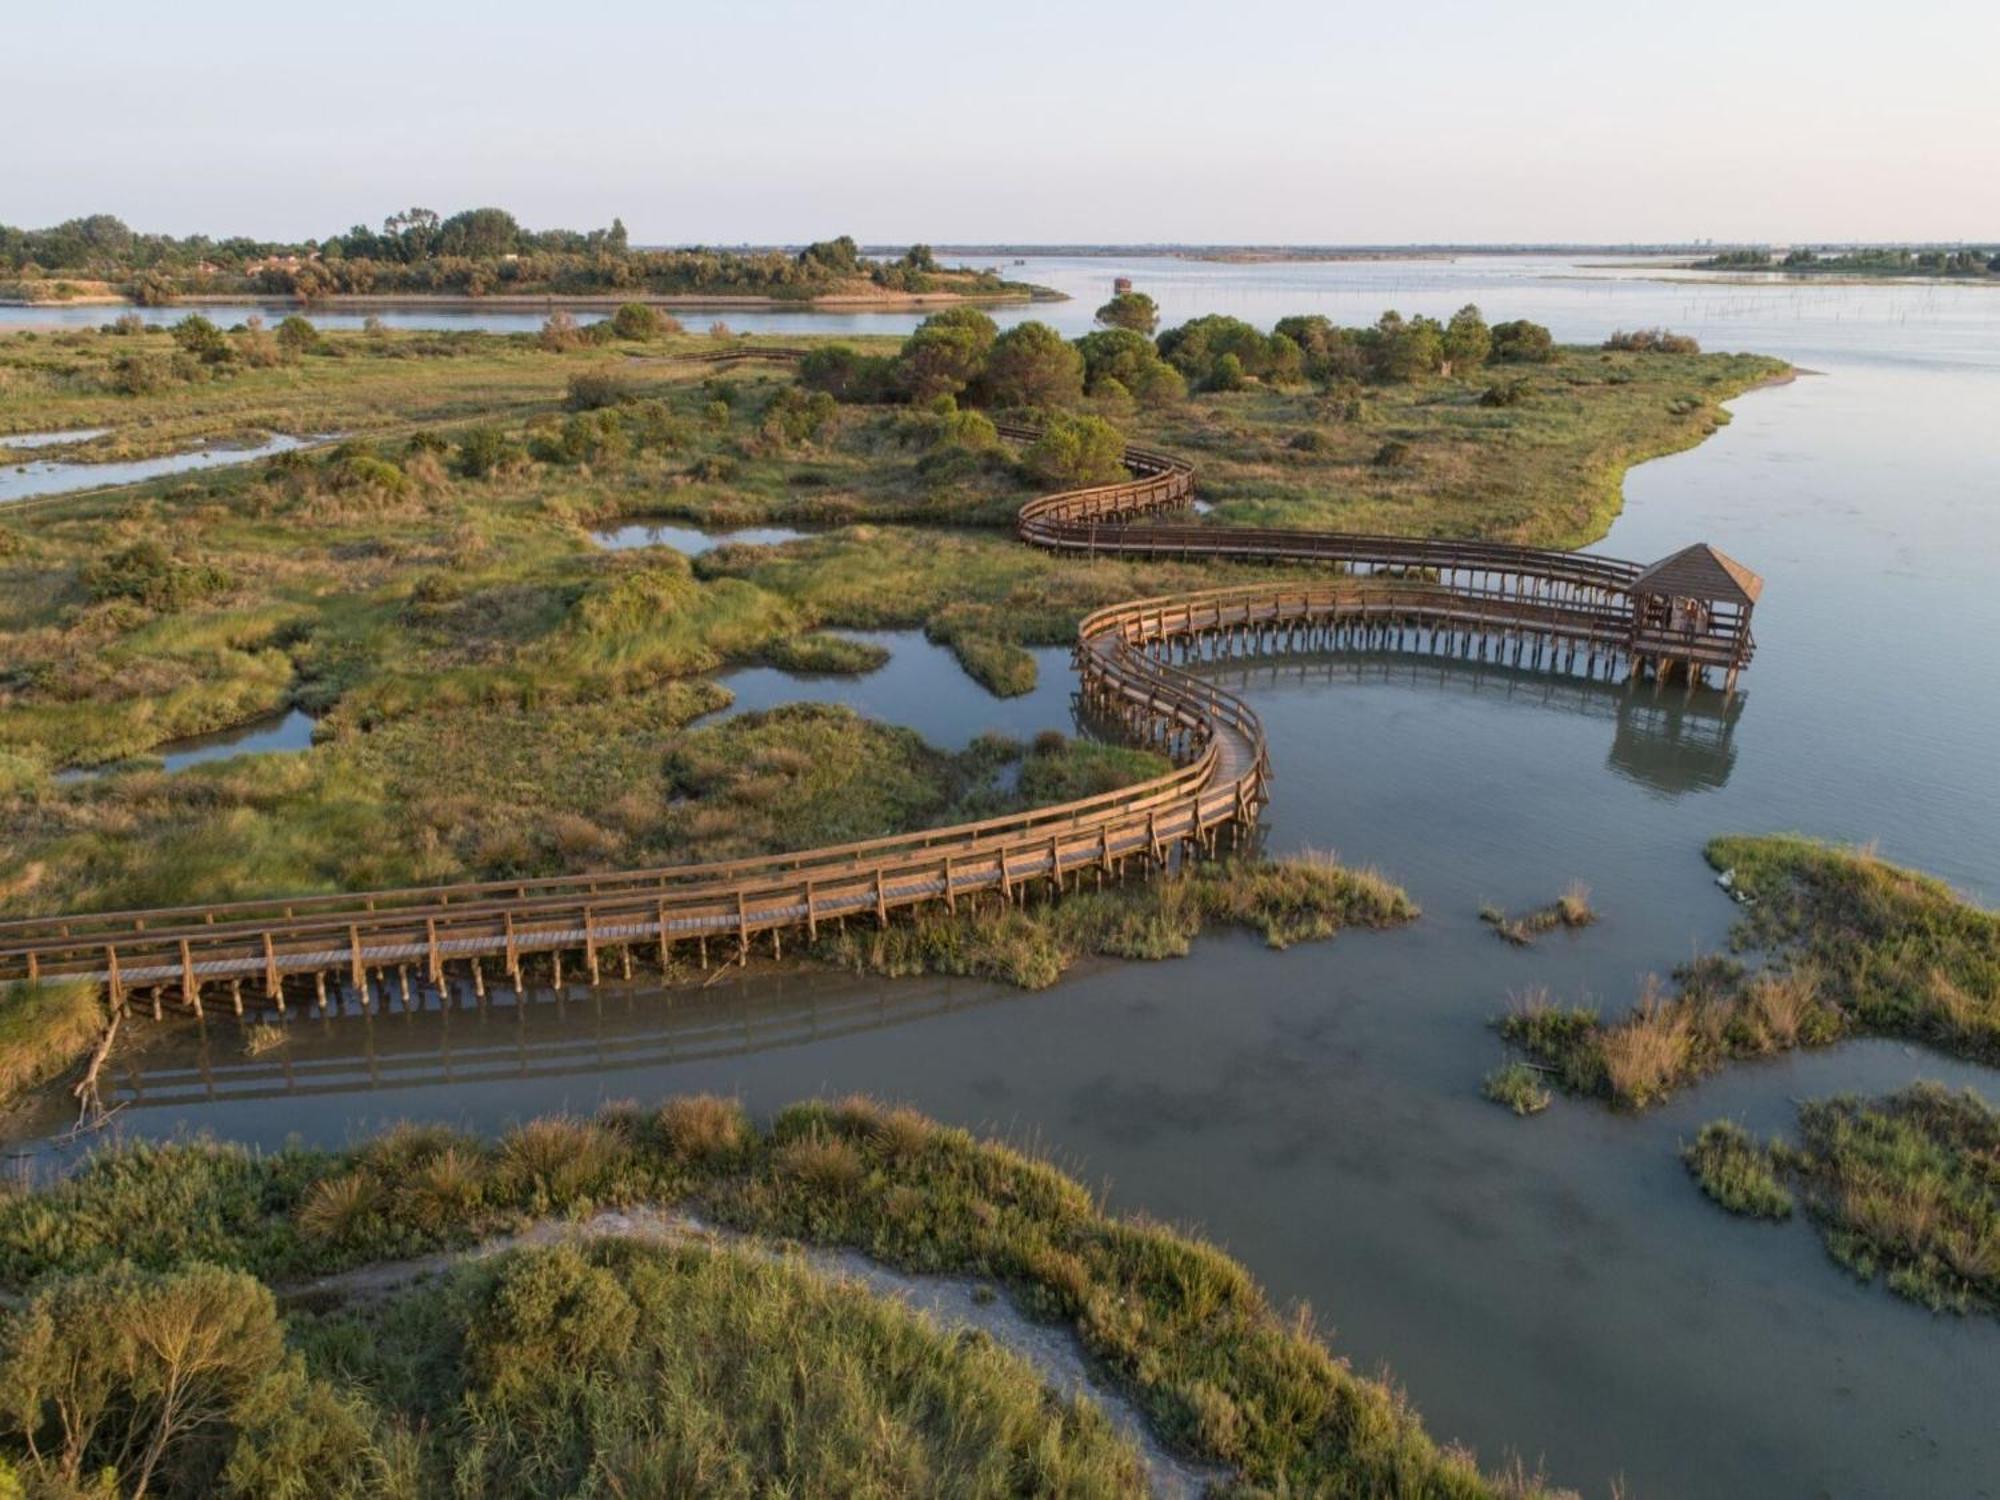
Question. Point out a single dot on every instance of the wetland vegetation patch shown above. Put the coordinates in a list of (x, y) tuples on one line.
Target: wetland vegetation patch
[(1906, 1187), (1851, 945), (531, 1366)]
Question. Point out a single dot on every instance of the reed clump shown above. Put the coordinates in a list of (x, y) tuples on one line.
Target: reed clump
[(1572, 909)]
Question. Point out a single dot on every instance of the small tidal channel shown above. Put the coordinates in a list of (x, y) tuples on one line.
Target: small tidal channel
[(59, 477)]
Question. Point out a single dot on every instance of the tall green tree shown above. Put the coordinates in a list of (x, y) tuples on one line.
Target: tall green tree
[(1467, 341), (946, 353), (1129, 359), (1134, 310), (1033, 365)]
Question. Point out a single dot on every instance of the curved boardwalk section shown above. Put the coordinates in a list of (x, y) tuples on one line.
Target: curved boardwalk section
[(1138, 663)]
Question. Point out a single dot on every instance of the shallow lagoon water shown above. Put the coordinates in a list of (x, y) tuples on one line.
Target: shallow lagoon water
[(55, 477), (920, 687), (1553, 1286)]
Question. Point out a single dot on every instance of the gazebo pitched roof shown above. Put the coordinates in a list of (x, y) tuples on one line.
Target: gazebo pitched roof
[(1701, 572)]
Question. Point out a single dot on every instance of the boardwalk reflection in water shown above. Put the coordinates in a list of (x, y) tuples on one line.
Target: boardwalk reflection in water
[(503, 1040), (1671, 741)]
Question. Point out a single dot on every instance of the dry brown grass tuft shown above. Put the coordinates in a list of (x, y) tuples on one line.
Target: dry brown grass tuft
[(1648, 1051), (704, 1128), (336, 1208), (822, 1163)]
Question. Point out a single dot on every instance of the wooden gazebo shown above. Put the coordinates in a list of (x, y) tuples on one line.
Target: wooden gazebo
[(1691, 611)]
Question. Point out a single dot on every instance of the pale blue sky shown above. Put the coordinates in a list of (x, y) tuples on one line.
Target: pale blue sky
[(1229, 120)]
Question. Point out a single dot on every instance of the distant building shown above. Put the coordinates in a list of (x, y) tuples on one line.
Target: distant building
[(1122, 285)]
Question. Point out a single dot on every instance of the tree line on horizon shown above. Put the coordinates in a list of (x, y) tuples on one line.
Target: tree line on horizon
[(477, 251), (1879, 260)]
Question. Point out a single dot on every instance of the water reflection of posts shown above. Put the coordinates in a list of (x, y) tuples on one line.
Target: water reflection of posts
[(1672, 745), (455, 1041)]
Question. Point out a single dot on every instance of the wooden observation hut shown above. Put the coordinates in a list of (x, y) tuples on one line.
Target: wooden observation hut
[(1690, 612)]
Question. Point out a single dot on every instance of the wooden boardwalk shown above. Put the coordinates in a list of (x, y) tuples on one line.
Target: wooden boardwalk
[(1139, 666)]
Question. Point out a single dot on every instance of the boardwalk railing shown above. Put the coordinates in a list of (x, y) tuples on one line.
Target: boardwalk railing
[(1571, 610)]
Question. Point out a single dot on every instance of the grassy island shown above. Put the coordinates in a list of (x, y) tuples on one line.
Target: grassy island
[(628, 1355), (1853, 945), (1904, 1187)]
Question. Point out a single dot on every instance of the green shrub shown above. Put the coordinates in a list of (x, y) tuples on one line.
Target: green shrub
[(1075, 448), (638, 321), (484, 450), (591, 389), (148, 573), (1523, 342)]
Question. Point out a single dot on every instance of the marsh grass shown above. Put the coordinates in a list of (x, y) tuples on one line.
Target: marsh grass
[(1853, 944), (1572, 909), (827, 654), (492, 694), (1908, 1186), (1905, 1187), (1519, 1087), (1220, 1373), (46, 1027), (1736, 1172), (1894, 952), (1303, 898)]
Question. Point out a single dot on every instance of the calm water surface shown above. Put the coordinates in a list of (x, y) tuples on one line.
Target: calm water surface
[(1556, 1286), (48, 476)]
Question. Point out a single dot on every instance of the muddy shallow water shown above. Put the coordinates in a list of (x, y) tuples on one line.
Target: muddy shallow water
[(1553, 1286)]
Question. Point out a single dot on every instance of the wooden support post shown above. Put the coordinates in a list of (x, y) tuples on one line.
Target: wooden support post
[(666, 956), (555, 958), (274, 987), (236, 995), (319, 989), (478, 978), (190, 987), (590, 947), (625, 960), (950, 896), (742, 928), (513, 951), (112, 982), (881, 900), (403, 983), (812, 913), (354, 962), (436, 959)]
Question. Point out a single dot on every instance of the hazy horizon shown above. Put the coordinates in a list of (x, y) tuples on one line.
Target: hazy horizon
[(1111, 123)]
